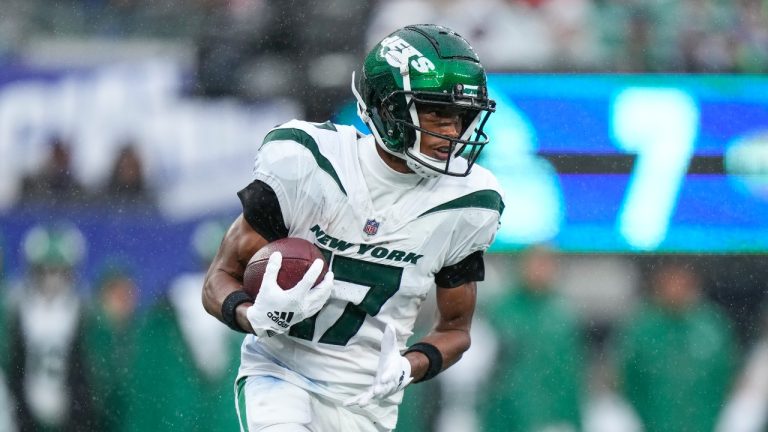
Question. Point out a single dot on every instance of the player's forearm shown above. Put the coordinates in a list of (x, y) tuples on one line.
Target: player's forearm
[(450, 337), (450, 343), (218, 285)]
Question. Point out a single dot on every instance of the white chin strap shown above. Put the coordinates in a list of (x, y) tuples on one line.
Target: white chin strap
[(420, 169)]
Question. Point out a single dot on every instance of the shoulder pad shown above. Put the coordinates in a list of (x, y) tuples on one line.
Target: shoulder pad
[(480, 189)]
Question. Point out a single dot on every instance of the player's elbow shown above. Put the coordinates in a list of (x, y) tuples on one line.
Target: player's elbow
[(459, 345), (462, 343), (466, 342)]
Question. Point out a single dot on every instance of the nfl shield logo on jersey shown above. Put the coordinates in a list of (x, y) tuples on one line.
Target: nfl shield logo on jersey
[(371, 227)]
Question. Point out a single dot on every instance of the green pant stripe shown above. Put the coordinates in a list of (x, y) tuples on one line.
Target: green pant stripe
[(242, 417)]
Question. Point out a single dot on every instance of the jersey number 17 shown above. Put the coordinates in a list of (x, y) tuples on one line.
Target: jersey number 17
[(382, 281)]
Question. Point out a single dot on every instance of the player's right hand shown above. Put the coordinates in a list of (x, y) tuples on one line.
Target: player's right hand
[(274, 310), (392, 375)]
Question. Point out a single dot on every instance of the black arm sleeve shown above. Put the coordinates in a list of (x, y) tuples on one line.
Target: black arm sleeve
[(470, 269), (262, 211)]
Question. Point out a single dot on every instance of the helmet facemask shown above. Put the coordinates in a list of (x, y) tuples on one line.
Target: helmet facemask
[(472, 111), (398, 120)]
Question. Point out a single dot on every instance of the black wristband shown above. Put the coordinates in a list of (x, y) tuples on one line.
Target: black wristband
[(231, 302), (434, 356)]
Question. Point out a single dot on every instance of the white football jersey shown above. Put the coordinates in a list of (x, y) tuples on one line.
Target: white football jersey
[(384, 252)]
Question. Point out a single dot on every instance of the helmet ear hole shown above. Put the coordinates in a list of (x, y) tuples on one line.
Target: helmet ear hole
[(389, 113)]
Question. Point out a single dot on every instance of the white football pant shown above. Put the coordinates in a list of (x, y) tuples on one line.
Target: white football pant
[(269, 404)]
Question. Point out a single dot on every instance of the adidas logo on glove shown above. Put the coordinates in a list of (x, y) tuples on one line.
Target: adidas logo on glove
[(283, 319)]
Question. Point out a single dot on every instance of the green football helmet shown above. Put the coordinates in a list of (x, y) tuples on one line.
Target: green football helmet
[(424, 65)]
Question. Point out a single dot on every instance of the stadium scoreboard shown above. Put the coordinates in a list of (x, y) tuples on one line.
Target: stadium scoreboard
[(626, 163)]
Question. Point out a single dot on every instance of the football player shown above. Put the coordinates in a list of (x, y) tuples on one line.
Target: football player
[(397, 213)]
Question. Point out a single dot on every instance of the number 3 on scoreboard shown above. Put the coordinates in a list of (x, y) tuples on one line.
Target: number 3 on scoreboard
[(382, 282)]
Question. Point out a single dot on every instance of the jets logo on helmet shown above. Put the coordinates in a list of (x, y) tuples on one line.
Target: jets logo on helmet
[(398, 52), (419, 66)]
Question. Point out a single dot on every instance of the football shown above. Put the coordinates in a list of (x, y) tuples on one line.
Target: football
[(298, 256)]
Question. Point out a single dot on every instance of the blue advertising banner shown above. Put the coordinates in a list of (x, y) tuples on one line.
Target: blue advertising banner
[(630, 163)]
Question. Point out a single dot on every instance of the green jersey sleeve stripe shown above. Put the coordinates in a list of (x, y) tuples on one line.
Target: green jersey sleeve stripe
[(488, 199), (303, 138)]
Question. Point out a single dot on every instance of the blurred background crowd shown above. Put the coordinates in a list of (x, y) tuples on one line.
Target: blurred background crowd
[(266, 48), (106, 227)]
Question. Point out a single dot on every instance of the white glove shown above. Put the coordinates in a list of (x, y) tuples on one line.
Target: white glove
[(274, 310), (393, 374)]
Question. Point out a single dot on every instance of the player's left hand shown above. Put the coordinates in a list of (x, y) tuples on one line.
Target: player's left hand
[(392, 375)]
